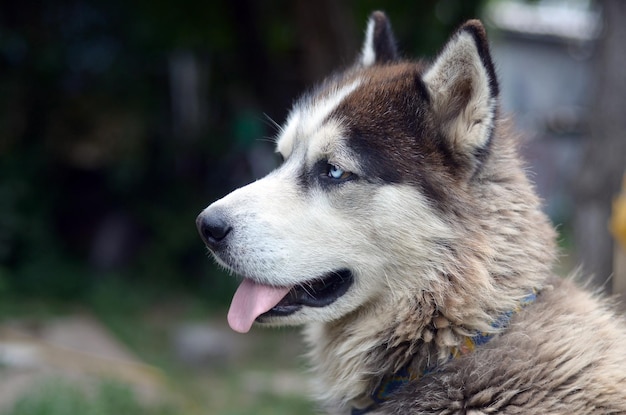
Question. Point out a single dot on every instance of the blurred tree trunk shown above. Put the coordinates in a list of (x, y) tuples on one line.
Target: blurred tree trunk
[(604, 162)]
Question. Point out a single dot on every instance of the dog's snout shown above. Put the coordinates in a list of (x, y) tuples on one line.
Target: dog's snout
[(213, 228)]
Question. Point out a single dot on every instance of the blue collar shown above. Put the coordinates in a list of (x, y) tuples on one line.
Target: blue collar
[(392, 383)]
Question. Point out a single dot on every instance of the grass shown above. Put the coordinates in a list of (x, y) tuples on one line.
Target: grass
[(144, 319), (54, 397)]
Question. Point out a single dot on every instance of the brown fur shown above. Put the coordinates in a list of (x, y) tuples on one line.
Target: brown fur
[(563, 355), (443, 233), (566, 353)]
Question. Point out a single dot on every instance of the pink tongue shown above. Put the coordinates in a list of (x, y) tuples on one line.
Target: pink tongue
[(250, 301)]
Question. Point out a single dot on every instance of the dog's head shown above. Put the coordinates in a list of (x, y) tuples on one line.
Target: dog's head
[(372, 159)]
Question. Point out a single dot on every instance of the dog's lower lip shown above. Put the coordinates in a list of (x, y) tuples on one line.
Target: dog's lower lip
[(320, 292)]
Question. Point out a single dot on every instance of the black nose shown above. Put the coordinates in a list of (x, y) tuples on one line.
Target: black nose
[(213, 228)]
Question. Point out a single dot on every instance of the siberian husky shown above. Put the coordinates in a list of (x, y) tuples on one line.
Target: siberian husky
[(402, 232)]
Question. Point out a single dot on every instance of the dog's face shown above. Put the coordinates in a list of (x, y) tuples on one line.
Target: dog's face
[(358, 206)]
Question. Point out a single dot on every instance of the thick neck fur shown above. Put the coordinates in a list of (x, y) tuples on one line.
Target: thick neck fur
[(505, 249)]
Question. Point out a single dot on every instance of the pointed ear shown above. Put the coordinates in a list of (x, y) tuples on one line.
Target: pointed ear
[(464, 90), (379, 46)]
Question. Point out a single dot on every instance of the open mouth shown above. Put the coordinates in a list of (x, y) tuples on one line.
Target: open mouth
[(257, 302), (317, 293)]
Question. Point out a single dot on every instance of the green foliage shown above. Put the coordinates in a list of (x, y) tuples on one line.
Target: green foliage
[(88, 132), (54, 397), (33, 259), (267, 404)]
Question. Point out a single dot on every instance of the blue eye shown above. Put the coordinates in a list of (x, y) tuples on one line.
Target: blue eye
[(337, 173)]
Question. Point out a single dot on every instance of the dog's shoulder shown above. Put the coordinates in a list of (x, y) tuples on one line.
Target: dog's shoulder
[(565, 353)]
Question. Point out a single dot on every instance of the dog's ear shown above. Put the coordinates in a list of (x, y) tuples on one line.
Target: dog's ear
[(464, 90), (379, 46)]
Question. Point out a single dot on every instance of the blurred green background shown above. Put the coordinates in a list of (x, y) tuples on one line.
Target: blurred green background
[(119, 122)]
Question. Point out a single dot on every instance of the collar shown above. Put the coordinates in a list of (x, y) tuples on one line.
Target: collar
[(392, 383)]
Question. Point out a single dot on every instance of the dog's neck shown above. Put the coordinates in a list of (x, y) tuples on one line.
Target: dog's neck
[(499, 263), (415, 370), (352, 363)]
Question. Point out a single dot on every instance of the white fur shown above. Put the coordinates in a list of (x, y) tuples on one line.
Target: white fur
[(285, 236), (388, 235), (368, 54), (309, 115), (287, 134), (425, 277)]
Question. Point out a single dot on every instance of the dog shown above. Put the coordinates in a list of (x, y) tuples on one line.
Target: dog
[(402, 232)]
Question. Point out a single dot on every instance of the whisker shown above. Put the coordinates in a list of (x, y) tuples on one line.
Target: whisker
[(269, 121)]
